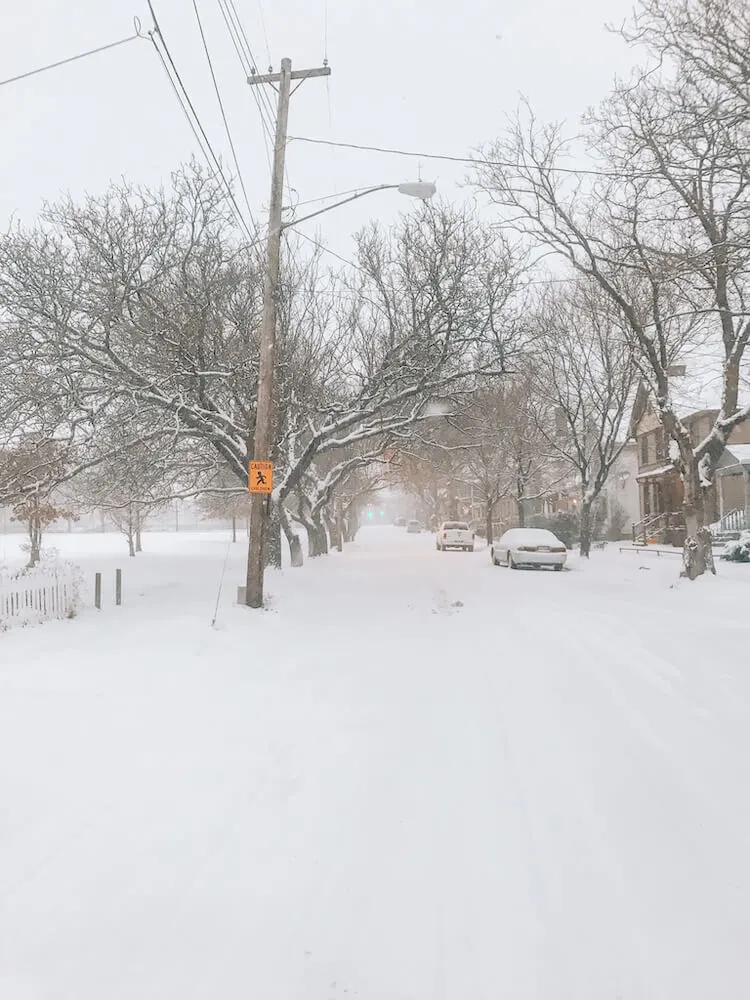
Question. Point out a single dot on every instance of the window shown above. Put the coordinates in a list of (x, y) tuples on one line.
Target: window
[(661, 445), (644, 449)]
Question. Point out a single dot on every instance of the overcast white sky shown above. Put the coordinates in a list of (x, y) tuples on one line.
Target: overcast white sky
[(428, 75)]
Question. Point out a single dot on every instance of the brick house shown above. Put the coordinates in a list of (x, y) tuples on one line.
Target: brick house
[(660, 483)]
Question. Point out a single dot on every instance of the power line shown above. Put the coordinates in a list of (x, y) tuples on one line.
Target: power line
[(247, 66), (325, 249), (223, 112), (196, 133), (264, 29), (192, 116), (449, 158), (247, 59), (81, 55), (263, 96)]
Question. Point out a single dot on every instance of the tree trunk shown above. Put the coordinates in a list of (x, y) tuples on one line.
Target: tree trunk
[(351, 524), (295, 544), (333, 525), (317, 540), (35, 540), (138, 543), (234, 527), (520, 513), (131, 532), (489, 521), (272, 537), (697, 553), (340, 531), (584, 528)]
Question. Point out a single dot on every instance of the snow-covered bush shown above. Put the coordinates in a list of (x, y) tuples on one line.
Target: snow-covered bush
[(739, 550)]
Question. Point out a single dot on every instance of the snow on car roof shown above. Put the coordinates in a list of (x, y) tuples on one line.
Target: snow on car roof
[(541, 535)]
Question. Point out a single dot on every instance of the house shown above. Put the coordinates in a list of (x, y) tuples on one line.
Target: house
[(733, 484), (660, 484)]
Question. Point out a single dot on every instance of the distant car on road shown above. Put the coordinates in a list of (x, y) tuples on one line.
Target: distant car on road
[(400, 522), (454, 535), (529, 547), (413, 527)]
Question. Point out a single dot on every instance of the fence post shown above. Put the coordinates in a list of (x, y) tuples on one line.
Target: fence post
[(98, 591), (118, 587)]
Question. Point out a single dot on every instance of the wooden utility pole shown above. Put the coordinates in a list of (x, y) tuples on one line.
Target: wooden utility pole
[(266, 365)]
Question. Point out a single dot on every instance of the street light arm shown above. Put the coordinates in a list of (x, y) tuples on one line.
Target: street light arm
[(344, 201)]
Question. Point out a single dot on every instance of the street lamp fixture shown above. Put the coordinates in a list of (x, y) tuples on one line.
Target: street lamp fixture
[(421, 190)]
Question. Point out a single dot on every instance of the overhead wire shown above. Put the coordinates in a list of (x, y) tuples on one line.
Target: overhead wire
[(470, 160), (247, 59), (325, 249), (227, 129), (192, 116), (264, 29), (81, 55), (247, 65), (263, 97)]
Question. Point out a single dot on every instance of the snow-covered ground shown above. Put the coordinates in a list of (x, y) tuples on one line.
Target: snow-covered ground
[(416, 777)]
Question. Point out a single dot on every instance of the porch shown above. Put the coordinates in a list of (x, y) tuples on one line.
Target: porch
[(733, 479), (662, 520)]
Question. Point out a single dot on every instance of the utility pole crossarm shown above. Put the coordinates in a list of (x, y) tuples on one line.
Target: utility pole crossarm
[(297, 74)]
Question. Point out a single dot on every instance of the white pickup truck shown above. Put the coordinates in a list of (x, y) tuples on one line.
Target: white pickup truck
[(454, 535)]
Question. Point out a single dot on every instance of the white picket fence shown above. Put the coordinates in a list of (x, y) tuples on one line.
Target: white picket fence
[(33, 596)]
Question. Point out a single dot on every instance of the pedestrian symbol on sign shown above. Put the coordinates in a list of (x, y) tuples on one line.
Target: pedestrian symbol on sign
[(261, 477)]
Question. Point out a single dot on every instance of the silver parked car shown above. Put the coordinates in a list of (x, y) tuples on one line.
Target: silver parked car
[(529, 547), (413, 527)]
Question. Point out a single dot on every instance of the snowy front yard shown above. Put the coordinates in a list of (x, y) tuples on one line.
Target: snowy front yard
[(414, 777)]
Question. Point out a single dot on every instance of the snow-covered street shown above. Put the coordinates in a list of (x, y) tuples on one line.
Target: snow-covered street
[(415, 777)]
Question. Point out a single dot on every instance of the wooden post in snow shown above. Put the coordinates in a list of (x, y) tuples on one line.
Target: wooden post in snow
[(98, 591), (118, 587)]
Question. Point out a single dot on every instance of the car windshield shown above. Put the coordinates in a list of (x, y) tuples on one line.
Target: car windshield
[(455, 526)]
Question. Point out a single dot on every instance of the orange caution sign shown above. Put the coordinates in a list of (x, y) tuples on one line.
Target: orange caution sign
[(260, 479)]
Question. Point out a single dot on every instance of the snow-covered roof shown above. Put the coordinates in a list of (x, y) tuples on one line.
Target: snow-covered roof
[(741, 452), (656, 472)]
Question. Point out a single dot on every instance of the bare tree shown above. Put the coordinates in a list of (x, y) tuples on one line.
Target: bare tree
[(32, 500), (583, 379), (663, 230)]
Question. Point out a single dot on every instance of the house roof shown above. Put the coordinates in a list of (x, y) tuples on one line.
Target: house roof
[(740, 452), (661, 471)]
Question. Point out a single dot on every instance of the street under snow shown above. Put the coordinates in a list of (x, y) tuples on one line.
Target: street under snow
[(415, 777)]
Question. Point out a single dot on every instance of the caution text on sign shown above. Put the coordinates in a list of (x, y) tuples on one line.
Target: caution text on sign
[(260, 479)]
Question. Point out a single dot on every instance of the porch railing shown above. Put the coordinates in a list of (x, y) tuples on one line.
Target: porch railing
[(734, 521), (666, 527)]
